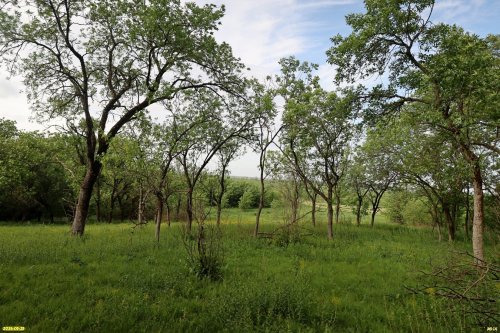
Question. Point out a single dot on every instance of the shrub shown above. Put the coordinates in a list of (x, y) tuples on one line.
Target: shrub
[(205, 255), (233, 194)]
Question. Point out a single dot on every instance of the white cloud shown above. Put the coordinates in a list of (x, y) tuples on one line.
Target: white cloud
[(458, 11)]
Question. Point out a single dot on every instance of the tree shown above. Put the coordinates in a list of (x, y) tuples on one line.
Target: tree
[(266, 133), (225, 155), (380, 169), (356, 178), (32, 182), (318, 136), (220, 120), (106, 62), (448, 73)]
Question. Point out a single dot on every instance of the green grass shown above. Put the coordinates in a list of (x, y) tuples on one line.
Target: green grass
[(116, 279)]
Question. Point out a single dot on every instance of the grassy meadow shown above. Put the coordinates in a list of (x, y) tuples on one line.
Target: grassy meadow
[(118, 279)]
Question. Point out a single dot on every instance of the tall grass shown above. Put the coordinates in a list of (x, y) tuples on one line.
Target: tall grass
[(118, 279)]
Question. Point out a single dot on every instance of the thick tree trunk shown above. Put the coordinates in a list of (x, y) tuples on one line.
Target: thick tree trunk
[(478, 206), (478, 218), (84, 196)]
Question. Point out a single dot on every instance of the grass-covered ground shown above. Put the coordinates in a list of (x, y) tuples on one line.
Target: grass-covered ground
[(117, 279)]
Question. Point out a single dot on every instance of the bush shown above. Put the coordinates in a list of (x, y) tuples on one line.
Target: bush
[(205, 255)]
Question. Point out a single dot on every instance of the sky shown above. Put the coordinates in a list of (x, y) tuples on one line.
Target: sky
[(263, 31)]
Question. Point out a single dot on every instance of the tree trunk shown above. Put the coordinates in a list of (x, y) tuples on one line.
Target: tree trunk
[(220, 195), (219, 213), (219, 200), (122, 210), (467, 214), (140, 208), (313, 209), (189, 209), (98, 200), (261, 202), (330, 219), (478, 218), (450, 222), (84, 196), (112, 204), (358, 210), (178, 207), (159, 214), (337, 207), (440, 237), (374, 212), (169, 213)]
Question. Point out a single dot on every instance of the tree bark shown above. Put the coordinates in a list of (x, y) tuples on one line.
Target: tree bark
[(330, 219), (358, 210), (189, 209), (313, 209), (112, 202), (169, 213), (261, 200), (337, 207), (467, 214), (478, 218), (220, 195), (84, 196), (450, 222), (159, 214), (98, 200)]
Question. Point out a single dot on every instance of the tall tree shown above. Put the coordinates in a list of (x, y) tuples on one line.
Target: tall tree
[(106, 61), (450, 74)]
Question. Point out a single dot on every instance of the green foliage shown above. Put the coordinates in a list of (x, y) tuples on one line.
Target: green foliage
[(33, 182), (234, 192), (404, 207), (416, 212), (395, 204), (250, 198)]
